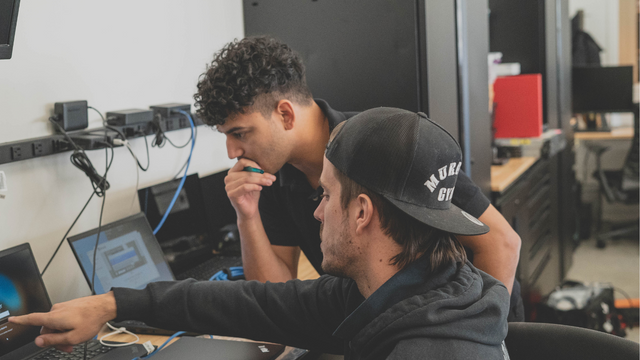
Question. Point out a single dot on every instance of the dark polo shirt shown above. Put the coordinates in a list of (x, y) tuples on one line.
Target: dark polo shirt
[(287, 206)]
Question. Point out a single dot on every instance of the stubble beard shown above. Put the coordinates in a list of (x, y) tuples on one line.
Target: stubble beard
[(339, 266)]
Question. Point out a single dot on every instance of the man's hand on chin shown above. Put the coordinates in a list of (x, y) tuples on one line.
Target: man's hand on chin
[(72, 322)]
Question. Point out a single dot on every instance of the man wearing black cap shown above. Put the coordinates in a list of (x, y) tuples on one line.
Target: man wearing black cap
[(256, 94), (402, 289)]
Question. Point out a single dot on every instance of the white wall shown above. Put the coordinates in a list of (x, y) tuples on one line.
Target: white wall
[(117, 55)]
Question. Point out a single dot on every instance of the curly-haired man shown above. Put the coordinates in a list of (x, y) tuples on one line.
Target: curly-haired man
[(255, 93)]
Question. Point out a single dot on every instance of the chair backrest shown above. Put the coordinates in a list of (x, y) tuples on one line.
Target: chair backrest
[(539, 341)]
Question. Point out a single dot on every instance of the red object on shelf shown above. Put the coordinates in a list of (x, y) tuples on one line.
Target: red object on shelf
[(518, 112)]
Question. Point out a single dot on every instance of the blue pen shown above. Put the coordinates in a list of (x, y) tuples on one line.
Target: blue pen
[(252, 169)]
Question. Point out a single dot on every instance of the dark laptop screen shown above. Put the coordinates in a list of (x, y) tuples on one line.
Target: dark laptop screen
[(187, 216), (21, 292), (128, 255)]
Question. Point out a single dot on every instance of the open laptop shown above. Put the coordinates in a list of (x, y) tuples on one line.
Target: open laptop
[(128, 256), (22, 291), (194, 237)]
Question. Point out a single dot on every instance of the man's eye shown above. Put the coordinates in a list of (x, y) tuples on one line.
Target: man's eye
[(324, 196), (238, 135)]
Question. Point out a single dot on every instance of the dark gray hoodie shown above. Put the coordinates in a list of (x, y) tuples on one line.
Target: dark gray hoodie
[(458, 313)]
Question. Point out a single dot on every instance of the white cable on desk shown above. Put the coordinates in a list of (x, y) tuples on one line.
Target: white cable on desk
[(117, 331)]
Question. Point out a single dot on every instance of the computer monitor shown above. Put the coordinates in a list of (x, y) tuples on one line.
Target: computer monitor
[(8, 20), (602, 89)]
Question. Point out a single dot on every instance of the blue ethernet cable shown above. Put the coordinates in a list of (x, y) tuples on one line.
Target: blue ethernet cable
[(222, 276), (161, 346), (184, 177)]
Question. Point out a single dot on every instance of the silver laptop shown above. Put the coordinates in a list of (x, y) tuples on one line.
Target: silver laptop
[(128, 256)]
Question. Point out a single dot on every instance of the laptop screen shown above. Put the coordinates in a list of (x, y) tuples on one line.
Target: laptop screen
[(21, 292), (187, 217), (128, 255)]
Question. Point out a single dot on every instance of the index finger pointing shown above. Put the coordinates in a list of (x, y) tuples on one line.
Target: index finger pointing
[(34, 319)]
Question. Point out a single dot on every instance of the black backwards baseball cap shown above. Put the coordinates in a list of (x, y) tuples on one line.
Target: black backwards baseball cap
[(409, 160)]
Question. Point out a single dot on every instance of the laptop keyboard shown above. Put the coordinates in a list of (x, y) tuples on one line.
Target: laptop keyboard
[(94, 348), (207, 269)]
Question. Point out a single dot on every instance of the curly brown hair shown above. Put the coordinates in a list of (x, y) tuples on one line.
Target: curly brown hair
[(250, 75)]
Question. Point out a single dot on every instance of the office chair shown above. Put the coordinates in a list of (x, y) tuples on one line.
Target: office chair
[(540, 341), (618, 186)]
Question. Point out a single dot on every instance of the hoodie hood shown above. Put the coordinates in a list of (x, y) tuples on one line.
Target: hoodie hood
[(460, 305)]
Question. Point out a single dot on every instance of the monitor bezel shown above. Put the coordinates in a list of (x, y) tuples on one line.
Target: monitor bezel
[(6, 50), (29, 349)]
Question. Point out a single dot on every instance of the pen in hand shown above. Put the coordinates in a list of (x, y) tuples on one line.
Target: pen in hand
[(252, 169)]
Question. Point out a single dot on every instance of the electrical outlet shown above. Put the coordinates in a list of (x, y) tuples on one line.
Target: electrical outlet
[(16, 153), (38, 148)]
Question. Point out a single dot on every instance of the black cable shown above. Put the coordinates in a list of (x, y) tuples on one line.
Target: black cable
[(61, 130), (161, 138), (192, 138), (157, 129), (116, 130), (146, 144), (78, 217), (146, 200), (95, 192), (104, 121), (100, 185), (67, 233), (131, 151), (80, 160), (176, 146), (122, 135), (95, 249)]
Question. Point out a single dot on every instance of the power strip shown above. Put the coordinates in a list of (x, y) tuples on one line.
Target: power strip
[(55, 144)]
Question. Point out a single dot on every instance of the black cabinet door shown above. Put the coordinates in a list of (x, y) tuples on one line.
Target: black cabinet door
[(358, 54)]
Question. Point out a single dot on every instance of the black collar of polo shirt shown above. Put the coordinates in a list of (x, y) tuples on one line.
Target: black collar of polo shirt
[(294, 178)]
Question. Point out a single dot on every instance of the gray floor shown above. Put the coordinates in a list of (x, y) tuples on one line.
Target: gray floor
[(618, 263)]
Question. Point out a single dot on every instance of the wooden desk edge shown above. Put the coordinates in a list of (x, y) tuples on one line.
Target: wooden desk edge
[(615, 134), (504, 175)]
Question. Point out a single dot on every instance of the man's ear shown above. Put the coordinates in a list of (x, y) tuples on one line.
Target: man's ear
[(364, 213), (285, 112)]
